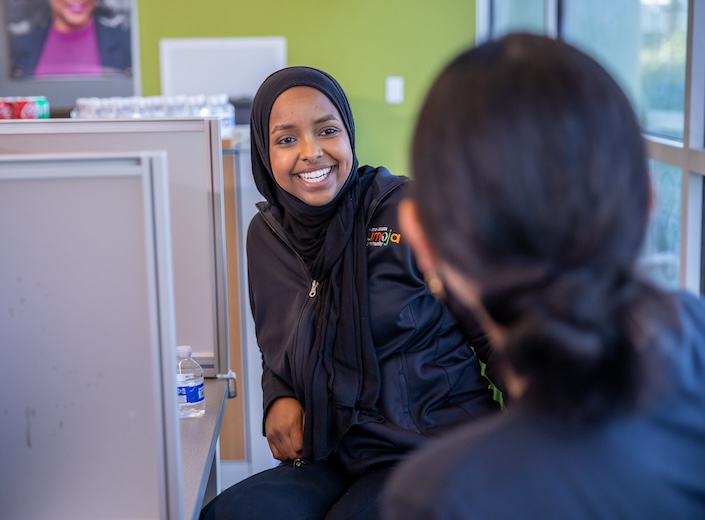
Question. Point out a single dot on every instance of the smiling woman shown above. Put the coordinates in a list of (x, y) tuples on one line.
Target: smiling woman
[(69, 37), (361, 364)]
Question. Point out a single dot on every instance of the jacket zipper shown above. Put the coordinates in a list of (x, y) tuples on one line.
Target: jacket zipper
[(314, 283), (312, 292)]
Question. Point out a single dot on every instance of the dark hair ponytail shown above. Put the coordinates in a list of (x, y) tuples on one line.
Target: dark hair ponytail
[(573, 338)]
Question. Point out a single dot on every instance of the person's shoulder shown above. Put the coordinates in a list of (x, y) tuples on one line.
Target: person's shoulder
[(385, 179), (682, 317), (475, 438), (450, 473), (34, 36), (687, 346), (114, 36), (25, 48), (690, 304), (385, 186), (260, 225), (112, 20)]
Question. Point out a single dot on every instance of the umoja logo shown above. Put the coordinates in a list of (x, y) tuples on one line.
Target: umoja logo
[(382, 236)]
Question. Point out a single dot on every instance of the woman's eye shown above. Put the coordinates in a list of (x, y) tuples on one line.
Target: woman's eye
[(285, 140), (329, 131)]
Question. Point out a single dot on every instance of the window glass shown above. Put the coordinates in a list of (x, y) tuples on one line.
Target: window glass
[(661, 250), (517, 16), (643, 45), (664, 25)]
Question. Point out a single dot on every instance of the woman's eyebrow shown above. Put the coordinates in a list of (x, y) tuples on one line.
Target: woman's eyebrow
[(323, 119), (289, 126), (285, 126)]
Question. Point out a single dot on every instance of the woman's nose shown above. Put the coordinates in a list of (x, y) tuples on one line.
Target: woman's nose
[(311, 150)]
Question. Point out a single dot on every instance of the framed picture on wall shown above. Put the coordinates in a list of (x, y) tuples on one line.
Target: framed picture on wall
[(66, 49)]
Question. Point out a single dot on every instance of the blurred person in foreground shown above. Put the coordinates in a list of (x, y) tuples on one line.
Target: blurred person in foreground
[(531, 205)]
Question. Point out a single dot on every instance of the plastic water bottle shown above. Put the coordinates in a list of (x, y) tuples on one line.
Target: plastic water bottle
[(221, 106), (189, 378)]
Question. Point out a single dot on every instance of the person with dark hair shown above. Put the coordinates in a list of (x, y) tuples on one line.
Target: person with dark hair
[(531, 202), (361, 364), (74, 38)]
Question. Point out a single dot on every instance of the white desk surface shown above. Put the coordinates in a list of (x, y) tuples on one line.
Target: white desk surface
[(199, 437)]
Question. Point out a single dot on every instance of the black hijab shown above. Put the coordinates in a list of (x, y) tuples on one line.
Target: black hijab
[(342, 373)]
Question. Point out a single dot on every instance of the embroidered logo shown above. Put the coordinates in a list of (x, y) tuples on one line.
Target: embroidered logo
[(382, 236)]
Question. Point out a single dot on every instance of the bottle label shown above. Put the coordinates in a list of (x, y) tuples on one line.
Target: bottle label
[(227, 127), (190, 392)]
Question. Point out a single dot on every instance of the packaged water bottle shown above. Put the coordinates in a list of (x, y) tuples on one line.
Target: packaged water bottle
[(189, 378), (221, 106)]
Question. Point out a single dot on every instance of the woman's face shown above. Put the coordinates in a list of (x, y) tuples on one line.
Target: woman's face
[(71, 15), (309, 147)]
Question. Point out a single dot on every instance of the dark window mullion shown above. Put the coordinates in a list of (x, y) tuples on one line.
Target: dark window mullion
[(559, 19)]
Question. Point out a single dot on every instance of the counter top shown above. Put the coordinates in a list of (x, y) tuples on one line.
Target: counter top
[(199, 438)]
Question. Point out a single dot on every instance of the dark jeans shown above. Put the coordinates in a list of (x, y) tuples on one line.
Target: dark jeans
[(313, 491)]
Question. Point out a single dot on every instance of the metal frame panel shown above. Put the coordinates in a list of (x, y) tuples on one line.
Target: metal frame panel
[(89, 408)]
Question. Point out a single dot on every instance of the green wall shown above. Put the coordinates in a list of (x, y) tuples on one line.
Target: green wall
[(359, 42)]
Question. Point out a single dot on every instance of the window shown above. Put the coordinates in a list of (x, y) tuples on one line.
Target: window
[(518, 15), (643, 45), (663, 38), (661, 253), (656, 50)]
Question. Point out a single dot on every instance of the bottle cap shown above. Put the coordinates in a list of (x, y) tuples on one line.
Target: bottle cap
[(183, 350)]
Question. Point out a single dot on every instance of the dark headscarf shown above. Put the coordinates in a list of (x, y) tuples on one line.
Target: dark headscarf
[(342, 373)]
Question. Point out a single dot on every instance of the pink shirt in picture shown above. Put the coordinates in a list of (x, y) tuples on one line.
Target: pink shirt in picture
[(74, 52)]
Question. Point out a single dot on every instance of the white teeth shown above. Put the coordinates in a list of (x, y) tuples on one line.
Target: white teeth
[(315, 176)]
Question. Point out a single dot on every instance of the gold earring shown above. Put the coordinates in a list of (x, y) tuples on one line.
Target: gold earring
[(435, 285)]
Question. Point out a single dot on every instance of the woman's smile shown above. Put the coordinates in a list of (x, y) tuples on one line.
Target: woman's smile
[(316, 176)]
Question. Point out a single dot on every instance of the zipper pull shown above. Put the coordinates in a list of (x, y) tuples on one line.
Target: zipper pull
[(312, 292)]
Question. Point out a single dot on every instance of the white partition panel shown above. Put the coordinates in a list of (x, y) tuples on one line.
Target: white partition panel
[(194, 156), (88, 422), (233, 66)]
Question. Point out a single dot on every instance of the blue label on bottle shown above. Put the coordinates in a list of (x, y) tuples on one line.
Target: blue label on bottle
[(191, 394)]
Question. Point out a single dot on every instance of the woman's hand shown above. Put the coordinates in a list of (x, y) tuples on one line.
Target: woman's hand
[(284, 427)]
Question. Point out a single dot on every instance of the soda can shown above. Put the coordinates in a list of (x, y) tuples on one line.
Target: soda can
[(42, 104), (24, 108), (34, 107), (7, 108)]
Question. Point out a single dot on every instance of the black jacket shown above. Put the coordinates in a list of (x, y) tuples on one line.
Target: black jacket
[(533, 465), (430, 377)]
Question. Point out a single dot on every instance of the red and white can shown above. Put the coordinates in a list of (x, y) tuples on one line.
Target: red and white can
[(7, 108), (35, 107)]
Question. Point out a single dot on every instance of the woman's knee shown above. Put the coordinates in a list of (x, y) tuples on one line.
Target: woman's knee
[(287, 491)]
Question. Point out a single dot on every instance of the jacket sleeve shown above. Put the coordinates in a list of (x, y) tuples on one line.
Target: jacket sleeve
[(273, 387)]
